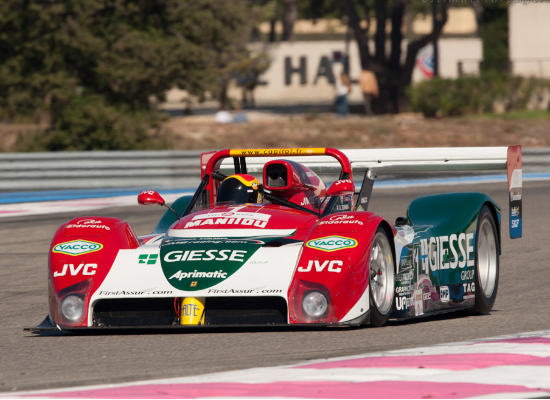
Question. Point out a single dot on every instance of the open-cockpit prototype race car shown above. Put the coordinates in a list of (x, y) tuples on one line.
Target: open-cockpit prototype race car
[(287, 251)]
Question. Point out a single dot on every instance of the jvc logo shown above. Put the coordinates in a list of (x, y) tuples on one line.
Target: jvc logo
[(87, 269), (332, 266)]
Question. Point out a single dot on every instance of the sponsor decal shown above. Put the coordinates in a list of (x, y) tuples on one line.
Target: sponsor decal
[(403, 303), (467, 275), (469, 296), (205, 255), (404, 289), (333, 266), (341, 219), (89, 223), (405, 262), (277, 152), (342, 181), (198, 264), (244, 291), (514, 196), (196, 274), (469, 287), (133, 293), (305, 202), (515, 211), (435, 251), (332, 243), (404, 277), (427, 296), (444, 294), (77, 247), (230, 217), (83, 269), (148, 258), (515, 223), (191, 310), (418, 302), (364, 200)]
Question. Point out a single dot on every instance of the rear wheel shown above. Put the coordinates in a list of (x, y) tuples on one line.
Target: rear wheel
[(381, 279), (487, 262)]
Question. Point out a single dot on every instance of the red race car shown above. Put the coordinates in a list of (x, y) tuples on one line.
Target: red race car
[(287, 250)]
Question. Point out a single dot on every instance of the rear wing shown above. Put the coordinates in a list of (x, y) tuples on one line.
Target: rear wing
[(380, 161)]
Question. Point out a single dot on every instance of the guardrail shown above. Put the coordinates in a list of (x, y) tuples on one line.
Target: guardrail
[(136, 169)]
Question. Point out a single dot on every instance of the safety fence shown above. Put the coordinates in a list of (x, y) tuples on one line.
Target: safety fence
[(135, 169)]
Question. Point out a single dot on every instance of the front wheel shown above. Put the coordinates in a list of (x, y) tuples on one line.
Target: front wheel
[(381, 279), (487, 268)]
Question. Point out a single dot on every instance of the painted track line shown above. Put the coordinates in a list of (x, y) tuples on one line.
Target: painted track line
[(514, 366), (78, 205), (32, 203)]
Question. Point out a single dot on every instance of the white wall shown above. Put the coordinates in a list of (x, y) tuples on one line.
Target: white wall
[(276, 90), (529, 38)]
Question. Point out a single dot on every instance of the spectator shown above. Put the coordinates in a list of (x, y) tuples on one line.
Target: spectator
[(369, 86), (343, 87), (240, 117), (223, 116)]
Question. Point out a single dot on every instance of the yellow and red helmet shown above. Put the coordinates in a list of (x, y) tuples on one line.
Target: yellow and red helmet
[(240, 188)]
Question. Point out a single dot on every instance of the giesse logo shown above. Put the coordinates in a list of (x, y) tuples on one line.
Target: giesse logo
[(205, 255)]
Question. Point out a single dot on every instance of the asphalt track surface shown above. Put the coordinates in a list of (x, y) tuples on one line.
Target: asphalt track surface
[(38, 361)]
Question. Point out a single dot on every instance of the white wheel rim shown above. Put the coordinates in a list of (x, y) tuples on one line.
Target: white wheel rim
[(381, 274), (487, 258)]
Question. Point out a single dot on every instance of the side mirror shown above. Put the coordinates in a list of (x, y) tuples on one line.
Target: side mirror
[(148, 197), (346, 186)]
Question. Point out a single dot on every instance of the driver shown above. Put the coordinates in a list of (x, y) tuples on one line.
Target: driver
[(240, 188)]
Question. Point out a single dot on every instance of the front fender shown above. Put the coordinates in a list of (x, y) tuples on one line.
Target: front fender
[(335, 261), (81, 255)]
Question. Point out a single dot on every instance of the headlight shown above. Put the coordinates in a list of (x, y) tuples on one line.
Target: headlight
[(315, 304), (72, 308)]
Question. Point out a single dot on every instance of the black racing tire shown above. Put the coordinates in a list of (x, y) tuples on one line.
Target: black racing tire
[(487, 262), (381, 279)]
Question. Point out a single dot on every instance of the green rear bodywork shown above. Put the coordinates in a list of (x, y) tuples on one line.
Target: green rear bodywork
[(435, 252)]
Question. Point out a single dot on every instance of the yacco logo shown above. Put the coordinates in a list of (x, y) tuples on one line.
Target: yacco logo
[(341, 219), (87, 269), (436, 250), (332, 243), (205, 255), (77, 247), (233, 217), (89, 223), (148, 258), (333, 266)]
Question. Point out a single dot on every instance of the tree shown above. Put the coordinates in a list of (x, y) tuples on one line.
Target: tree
[(290, 13), (118, 53), (393, 75)]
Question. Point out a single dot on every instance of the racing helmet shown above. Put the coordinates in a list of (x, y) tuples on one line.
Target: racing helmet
[(240, 188)]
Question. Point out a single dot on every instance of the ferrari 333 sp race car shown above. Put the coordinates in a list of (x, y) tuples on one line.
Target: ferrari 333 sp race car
[(288, 251)]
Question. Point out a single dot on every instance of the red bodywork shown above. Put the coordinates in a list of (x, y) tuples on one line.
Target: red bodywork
[(341, 274), (83, 273)]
